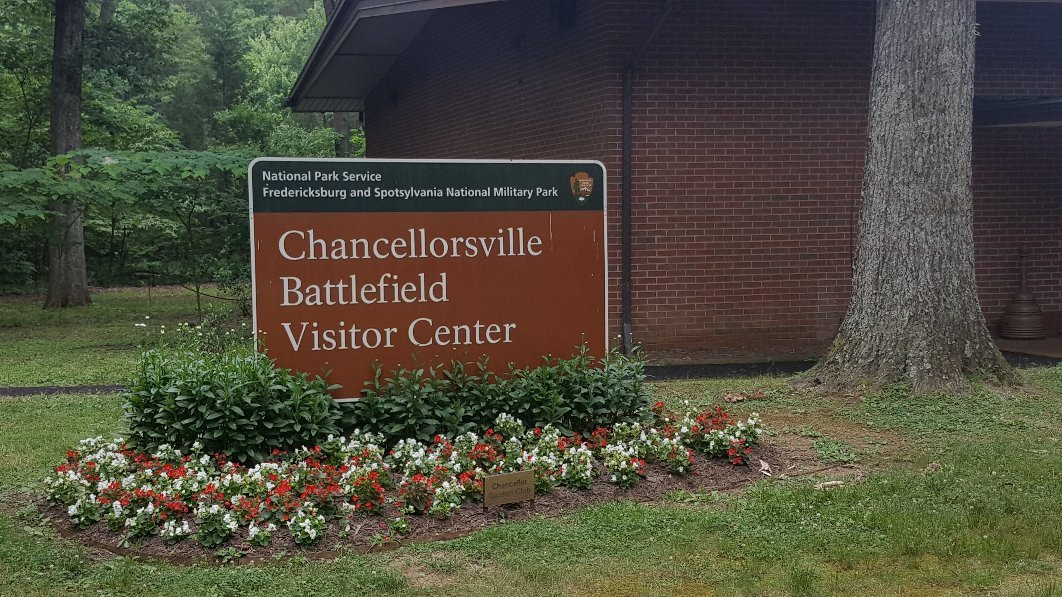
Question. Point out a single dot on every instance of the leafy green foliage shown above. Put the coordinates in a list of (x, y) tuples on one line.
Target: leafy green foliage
[(575, 395), (832, 451), (160, 78), (233, 402), (180, 215), (25, 58)]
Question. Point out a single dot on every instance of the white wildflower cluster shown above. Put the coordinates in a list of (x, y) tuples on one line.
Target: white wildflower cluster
[(143, 521), (508, 426), (167, 453), (623, 464), (577, 467), (173, 531), (446, 499), (674, 454), (414, 457), (750, 429), (260, 536), (362, 445), (115, 516), (214, 524), (66, 487), (307, 526), (626, 432), (84, 511)]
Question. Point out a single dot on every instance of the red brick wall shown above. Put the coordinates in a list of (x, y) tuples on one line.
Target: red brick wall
[(1017, 171), (501, 80), (1018, 201), (749, 128)]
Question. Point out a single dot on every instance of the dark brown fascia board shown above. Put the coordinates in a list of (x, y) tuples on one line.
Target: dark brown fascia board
[(343, 21), (1033, 112)]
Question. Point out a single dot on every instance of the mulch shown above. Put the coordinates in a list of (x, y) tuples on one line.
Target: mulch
[(706, 475)]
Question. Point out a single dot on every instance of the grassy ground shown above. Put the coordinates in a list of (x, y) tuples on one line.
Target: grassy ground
[(951, 496), (90, 345)]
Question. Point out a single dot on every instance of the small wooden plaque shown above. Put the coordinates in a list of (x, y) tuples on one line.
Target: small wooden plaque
[(508, 488)]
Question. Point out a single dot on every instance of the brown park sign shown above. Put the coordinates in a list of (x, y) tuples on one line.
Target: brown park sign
[(407, 262), (508, 488)]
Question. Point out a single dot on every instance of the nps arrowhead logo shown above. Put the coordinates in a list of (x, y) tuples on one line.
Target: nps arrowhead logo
[(582, 185)]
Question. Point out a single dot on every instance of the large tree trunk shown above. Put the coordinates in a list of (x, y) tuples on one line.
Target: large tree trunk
[(914, 314), (67, 278)]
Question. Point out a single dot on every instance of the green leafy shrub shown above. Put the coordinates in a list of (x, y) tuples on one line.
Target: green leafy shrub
[(234, 402), (577, 394)]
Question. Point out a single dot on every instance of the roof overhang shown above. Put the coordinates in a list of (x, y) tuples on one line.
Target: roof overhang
[(364, 38), (357, 48), (1018, 110)]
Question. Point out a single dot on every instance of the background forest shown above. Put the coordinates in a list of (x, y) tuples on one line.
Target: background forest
[(178, 96)]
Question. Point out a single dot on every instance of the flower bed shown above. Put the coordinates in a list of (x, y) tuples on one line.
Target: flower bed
[(348, 483)]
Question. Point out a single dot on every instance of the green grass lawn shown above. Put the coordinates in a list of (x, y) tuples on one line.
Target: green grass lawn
[(87, 345), (985, 517), (988, 520)]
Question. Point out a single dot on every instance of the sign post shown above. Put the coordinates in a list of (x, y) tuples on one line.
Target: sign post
[(422, 262)]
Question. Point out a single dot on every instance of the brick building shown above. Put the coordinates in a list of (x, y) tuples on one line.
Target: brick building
[(741, 166)]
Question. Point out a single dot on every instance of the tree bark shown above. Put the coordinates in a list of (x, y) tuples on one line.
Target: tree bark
[(67, 277), (341, 125), (914, 314), (107, 10), (340, 120)]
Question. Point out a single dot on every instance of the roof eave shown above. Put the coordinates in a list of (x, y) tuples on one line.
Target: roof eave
[(336, 33)]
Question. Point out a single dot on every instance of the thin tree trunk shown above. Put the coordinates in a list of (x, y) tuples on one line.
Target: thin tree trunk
[(341, 125), (107, 10), (67, 278), (914, 314), (340, 120)]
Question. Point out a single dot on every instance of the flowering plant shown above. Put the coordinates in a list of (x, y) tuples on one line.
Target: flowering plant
[(307, 526), (259, 536), (173, 531), (674, 455), (177, 495), (214, 525), (416, 493), (623, 464)]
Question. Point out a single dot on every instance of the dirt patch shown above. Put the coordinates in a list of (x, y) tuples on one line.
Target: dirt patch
[(434, 570), (366, 533), (14, 501), (51, 390), (795, 432)]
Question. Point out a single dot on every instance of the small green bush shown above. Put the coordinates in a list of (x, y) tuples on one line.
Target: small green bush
[(576, 395), (234, 402)]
